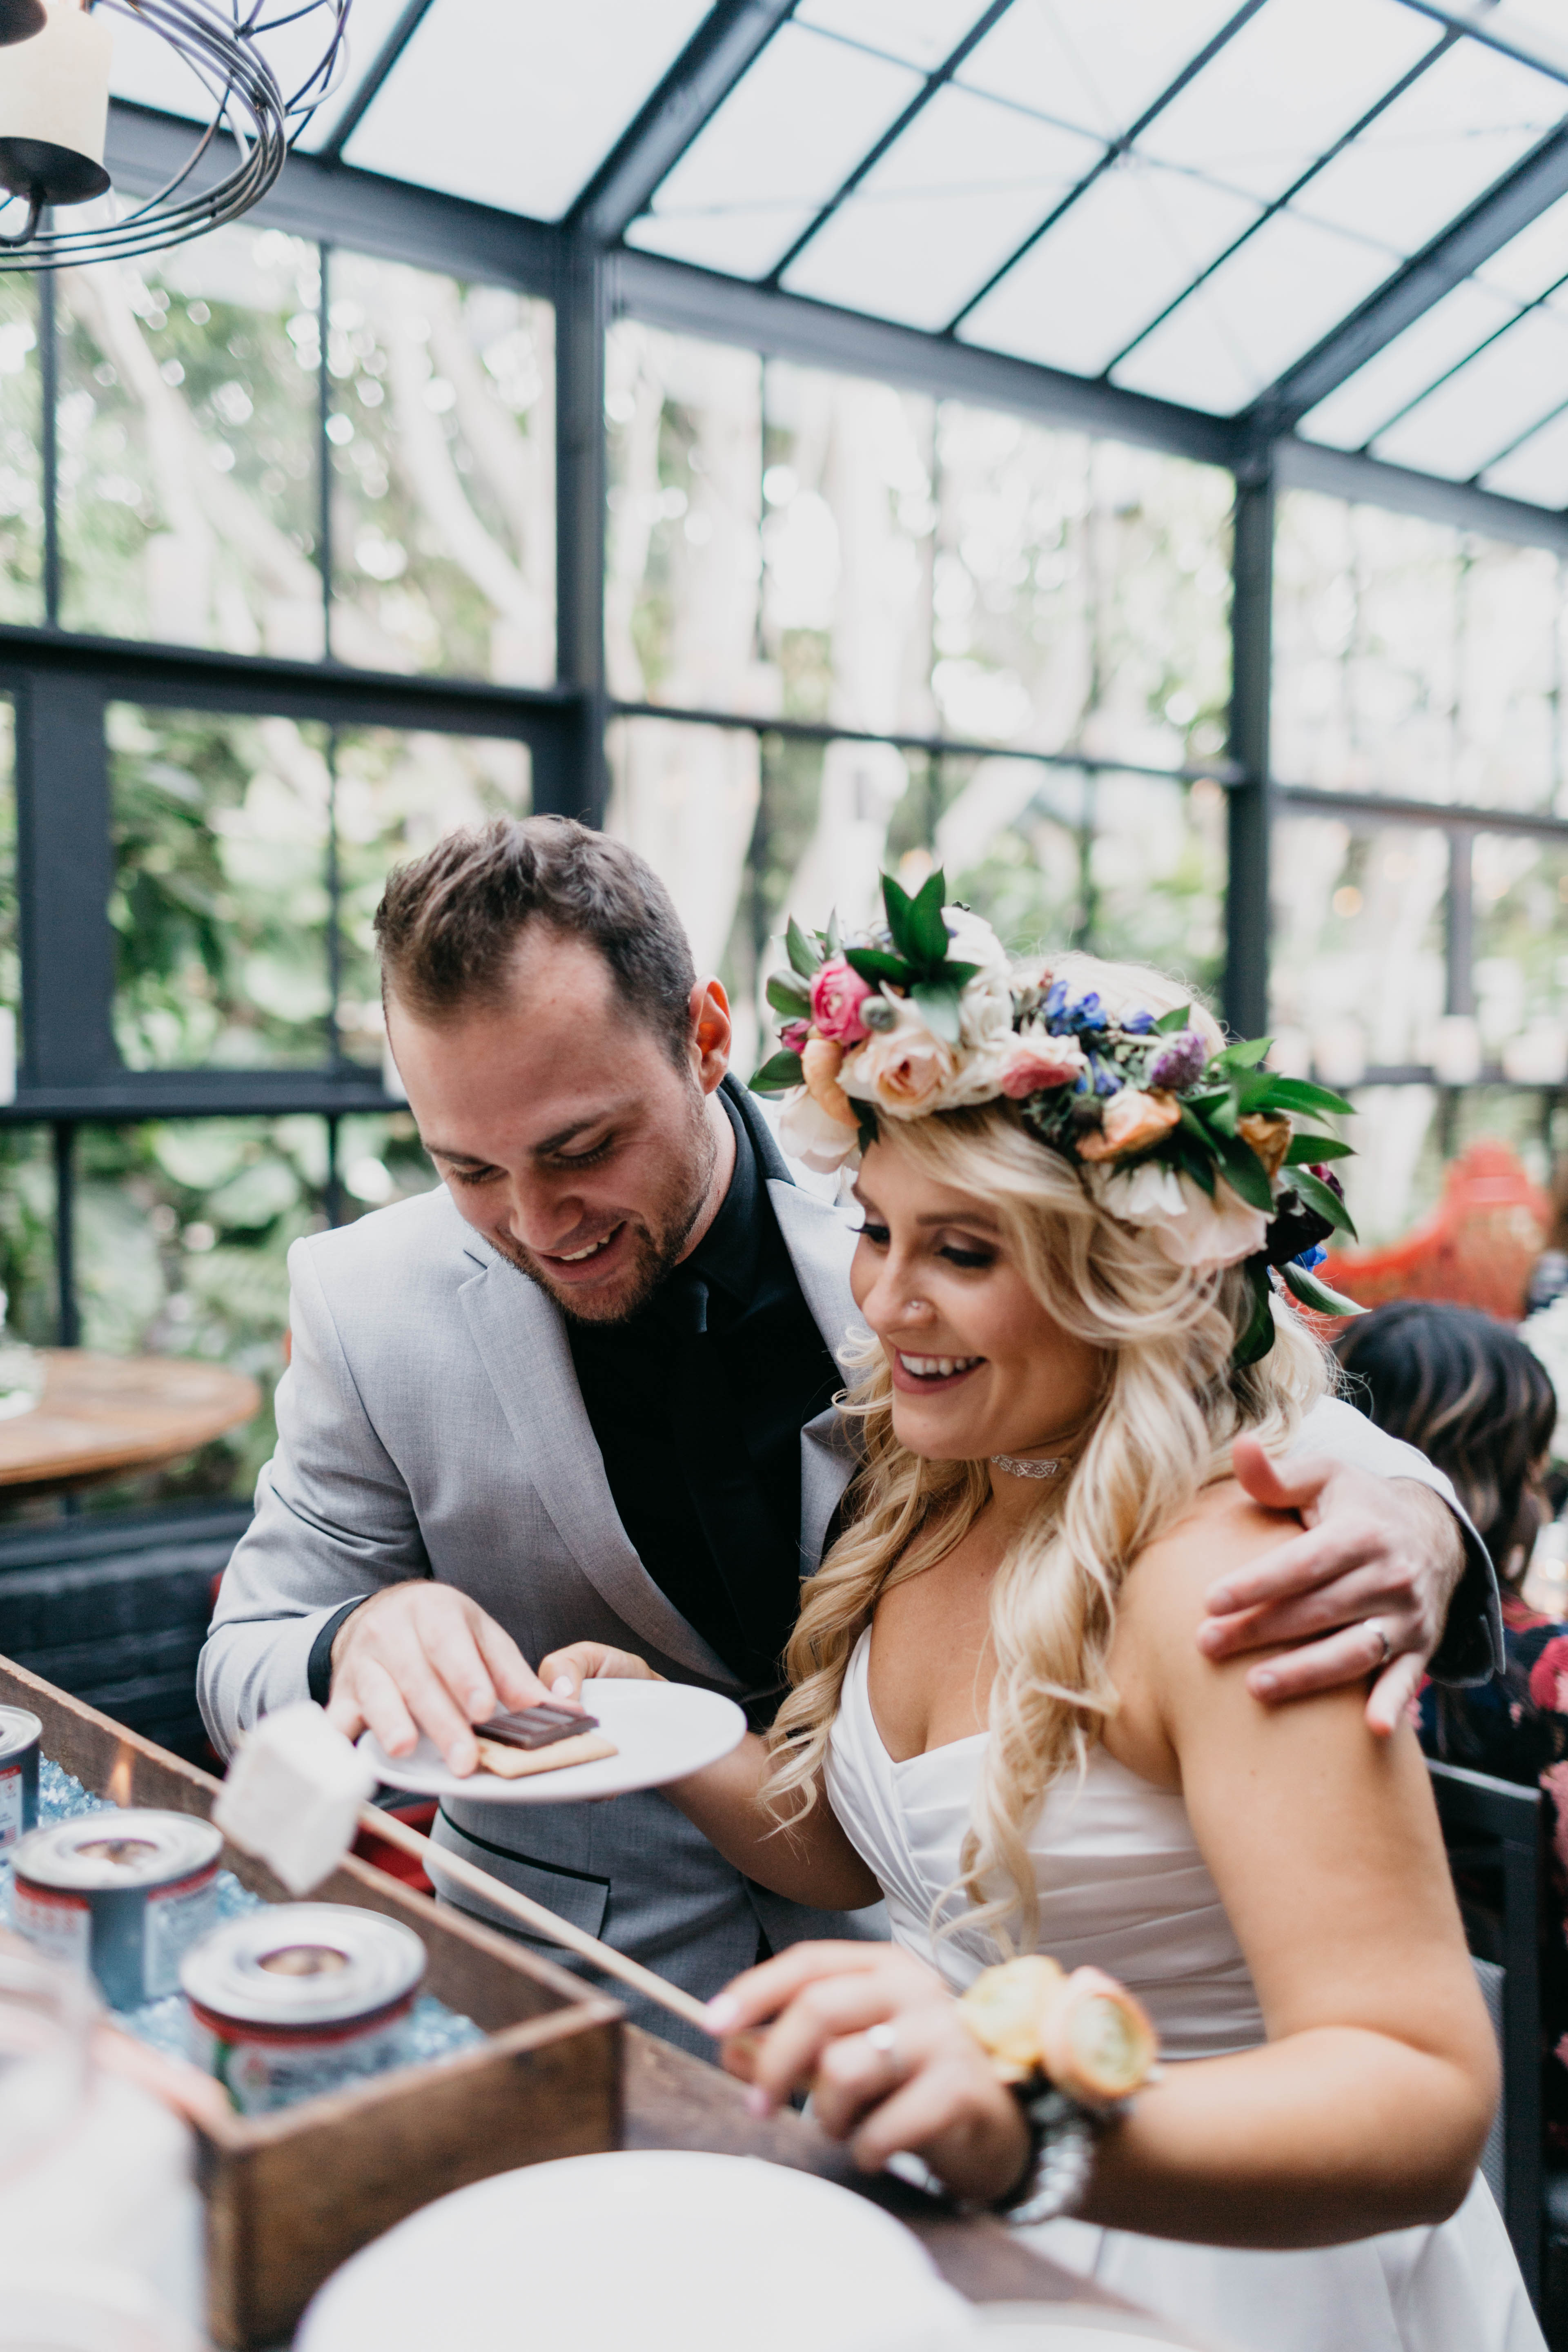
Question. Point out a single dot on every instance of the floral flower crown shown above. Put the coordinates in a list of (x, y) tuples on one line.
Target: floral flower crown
[(926, 1015)]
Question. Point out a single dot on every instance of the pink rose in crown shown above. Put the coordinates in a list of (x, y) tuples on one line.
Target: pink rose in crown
[(793, 1036), (836, 995), (1033, 1063)]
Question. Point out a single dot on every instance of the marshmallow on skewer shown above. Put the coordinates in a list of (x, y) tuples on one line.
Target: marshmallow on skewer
[(293, 1795)]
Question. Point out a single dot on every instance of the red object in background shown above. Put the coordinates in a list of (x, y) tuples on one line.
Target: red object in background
[(419, 1815), (1476, 1249)]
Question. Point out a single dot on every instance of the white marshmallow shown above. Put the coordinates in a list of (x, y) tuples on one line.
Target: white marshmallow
[(293, 1794)]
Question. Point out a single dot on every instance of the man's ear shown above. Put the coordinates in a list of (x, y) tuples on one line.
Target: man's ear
[(710, 1032)]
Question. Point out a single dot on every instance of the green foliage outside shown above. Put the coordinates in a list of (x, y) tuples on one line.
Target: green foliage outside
[(220, 905)]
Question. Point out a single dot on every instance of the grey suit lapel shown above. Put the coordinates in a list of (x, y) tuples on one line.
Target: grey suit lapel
[(820, 1244), (522, 1343)]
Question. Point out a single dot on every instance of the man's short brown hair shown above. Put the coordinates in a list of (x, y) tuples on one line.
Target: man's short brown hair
[(448, 923)]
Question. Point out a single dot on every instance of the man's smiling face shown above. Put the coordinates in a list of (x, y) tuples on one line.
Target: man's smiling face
[(562, 1127)]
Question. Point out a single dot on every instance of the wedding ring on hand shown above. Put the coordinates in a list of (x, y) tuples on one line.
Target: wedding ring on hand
[(883, 2038), (1374, 1625)]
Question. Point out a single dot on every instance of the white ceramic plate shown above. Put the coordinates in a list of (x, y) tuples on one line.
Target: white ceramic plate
[(648, 2251), (1069, 2327), (661, 1731)]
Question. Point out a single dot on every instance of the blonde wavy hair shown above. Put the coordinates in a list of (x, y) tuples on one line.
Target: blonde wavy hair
[(1160, 1429)]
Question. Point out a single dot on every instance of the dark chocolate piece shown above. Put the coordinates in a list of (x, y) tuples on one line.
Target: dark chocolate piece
[(536, 1727)]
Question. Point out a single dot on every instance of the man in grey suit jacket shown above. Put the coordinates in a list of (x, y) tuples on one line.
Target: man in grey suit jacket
[(582, 1391)]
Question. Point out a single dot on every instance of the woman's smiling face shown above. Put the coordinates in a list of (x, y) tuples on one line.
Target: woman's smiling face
[(979, 1366)]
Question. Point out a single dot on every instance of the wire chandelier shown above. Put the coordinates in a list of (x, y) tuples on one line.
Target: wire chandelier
[(55, 62)]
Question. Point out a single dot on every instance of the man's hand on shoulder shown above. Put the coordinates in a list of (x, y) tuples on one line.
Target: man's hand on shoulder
[(1372, 1572), (423, 1657)]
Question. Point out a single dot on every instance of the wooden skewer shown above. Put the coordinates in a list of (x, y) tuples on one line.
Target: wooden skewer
[(546, 1924)]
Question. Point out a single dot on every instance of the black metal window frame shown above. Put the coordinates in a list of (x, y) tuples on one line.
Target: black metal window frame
[(61, 682)]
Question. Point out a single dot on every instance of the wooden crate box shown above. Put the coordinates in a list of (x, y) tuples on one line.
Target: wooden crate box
[(290, 2196)]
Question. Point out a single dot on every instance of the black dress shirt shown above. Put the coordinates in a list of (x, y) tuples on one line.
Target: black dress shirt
[(698, 1403)]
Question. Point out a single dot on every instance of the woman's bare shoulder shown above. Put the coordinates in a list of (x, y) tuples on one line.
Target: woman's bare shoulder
[(1161, 1675), (1171, 1578)]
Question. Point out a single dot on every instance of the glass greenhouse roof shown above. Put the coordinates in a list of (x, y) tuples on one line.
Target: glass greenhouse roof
[(1187, 198)]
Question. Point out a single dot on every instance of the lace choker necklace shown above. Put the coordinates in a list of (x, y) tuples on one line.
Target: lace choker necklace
[(1019, 1468)]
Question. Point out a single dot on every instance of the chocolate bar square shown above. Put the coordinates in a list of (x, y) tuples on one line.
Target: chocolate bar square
[(536, 1727)]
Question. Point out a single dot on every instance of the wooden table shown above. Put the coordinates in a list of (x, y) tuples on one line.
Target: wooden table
[(673, 2100), (102, 1416)]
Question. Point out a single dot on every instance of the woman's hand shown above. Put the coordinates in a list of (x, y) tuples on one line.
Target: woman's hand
[(920, 2084), (565, 1672)]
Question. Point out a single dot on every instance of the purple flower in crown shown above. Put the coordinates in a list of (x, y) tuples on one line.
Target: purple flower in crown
[(1138, 1024), (1181, 1063)]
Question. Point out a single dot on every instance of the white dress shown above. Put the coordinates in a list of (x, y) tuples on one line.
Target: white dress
[(1123, 1886)]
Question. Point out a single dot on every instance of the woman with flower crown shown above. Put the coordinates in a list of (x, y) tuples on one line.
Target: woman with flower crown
[(1082, 1216)]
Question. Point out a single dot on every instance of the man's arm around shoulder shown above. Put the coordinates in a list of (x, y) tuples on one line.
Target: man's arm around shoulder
[(1388, 1578)]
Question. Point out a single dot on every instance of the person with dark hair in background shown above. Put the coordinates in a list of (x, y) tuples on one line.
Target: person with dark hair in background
[(1470, 1393)]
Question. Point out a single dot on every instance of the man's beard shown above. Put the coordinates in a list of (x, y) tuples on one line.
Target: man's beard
[(657, 1241)]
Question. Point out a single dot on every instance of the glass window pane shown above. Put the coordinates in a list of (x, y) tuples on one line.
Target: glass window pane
[(516, 102), (1096, 63), (1157, 877), (1291, 81), (1411, 659), (1492, 401), (953, 197), (443, 474), (395, 795), (920, 33), (1408, 366), (1129, 246), (780, 145), (1459, 128), (1520, 969), (1081, 594), (1534, 25), (21, 491), (1033, 885), (1357, 957), (1535, 260), (371, 25), (148, 71), (1537, 470), (1013, 839), (847, 547), (684, 558), (1408, 1138), (220, 899), (188, 446), (27, 1274), (1238, 331), (685, 799)]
